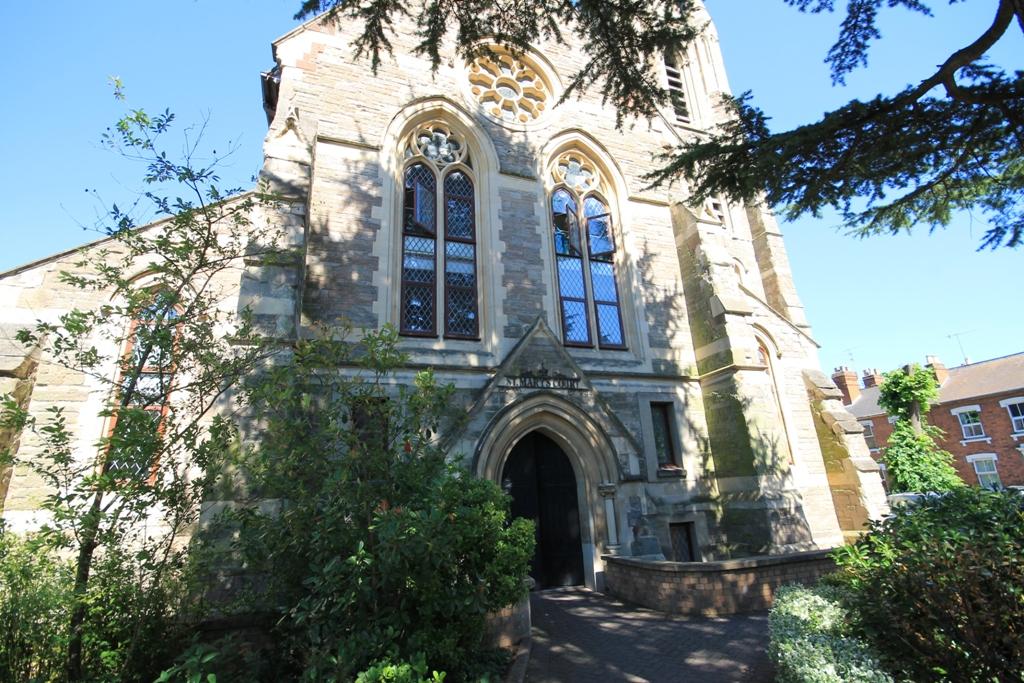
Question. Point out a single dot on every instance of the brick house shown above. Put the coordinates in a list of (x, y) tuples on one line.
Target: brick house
[(637, 371), (980, 410)]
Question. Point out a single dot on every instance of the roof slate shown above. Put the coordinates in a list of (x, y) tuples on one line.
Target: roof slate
[(993, 376)]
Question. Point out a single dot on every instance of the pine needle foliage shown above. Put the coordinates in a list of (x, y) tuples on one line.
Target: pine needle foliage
[(952, 141)]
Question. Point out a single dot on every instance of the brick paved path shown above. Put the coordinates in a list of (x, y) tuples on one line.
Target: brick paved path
[(582, 636)]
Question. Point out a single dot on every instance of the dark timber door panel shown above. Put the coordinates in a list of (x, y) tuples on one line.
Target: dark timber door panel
[(541, 481)]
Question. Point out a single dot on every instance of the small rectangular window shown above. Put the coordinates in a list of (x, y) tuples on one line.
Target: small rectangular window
[(371, 421), (869, 434), (664, 425), (1017, 417), (970, 424), (988, 477), (683, 547)]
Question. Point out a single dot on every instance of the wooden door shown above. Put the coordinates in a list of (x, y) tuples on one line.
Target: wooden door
[(542, 483)]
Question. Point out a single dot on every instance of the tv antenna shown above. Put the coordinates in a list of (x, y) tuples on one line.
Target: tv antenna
[(960, 343)]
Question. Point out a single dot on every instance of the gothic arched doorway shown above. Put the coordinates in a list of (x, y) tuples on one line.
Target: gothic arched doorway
[(541, 481)]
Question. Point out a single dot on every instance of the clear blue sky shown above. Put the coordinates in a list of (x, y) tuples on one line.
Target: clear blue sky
[(878, 302)]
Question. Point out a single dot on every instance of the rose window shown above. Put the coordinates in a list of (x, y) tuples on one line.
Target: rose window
[(508, 88)]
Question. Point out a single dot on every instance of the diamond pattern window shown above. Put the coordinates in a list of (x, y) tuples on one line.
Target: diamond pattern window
[(587, 286), (439, 278)]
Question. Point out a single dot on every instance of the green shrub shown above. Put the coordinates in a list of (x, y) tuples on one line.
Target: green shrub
[(811, 641), (384, 550), (916, 464), (35, 591), (385, 671), (226, 660), (131, 628), (939, 587)]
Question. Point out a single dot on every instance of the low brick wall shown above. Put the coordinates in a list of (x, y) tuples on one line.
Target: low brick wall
[(711, 588)]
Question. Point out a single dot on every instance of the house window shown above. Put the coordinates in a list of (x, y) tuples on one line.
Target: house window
[(676, 94), (869, 434), (970, 424), (985, 469), (1015, 407), (144, 382), (438, 191), (587, 288), (664, 425)]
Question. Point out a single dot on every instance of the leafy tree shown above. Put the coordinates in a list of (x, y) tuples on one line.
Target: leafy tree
[(954, 140), (915, 463), (161, 351), (380, 549), (912, 458)]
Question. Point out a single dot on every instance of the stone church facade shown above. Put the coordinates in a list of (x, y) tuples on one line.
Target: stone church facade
[(637, 372)]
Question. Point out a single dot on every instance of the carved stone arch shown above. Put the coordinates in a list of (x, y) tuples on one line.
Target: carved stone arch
[(590, 452), (426, 109), (575, 138), (762, 335), (485, 167)]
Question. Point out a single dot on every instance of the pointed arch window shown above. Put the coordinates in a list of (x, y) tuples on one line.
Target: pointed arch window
[(764, 358), (145, 380), (438, 190), (587, 288)]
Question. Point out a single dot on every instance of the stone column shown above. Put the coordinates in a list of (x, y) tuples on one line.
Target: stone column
[(607, 492)]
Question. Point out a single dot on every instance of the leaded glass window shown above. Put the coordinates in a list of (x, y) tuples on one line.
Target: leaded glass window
[(144, 384), (460, 257), (663, 425), (438, 191), (586, 277)]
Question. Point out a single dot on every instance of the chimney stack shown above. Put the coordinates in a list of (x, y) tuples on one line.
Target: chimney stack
[(872, 378), (938, 369), (846, 380)]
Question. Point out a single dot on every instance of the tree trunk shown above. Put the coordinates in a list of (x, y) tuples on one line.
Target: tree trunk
[(1018, 9), (83, 566)]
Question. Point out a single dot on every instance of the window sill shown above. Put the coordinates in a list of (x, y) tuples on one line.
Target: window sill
[(671, 473), (976, 439), (1017, 435)]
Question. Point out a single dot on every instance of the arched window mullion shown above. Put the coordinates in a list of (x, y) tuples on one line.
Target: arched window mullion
[(461, 295)]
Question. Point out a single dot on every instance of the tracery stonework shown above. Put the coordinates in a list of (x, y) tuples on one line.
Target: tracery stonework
[(436, 142), (577, 172), (508, 87)]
